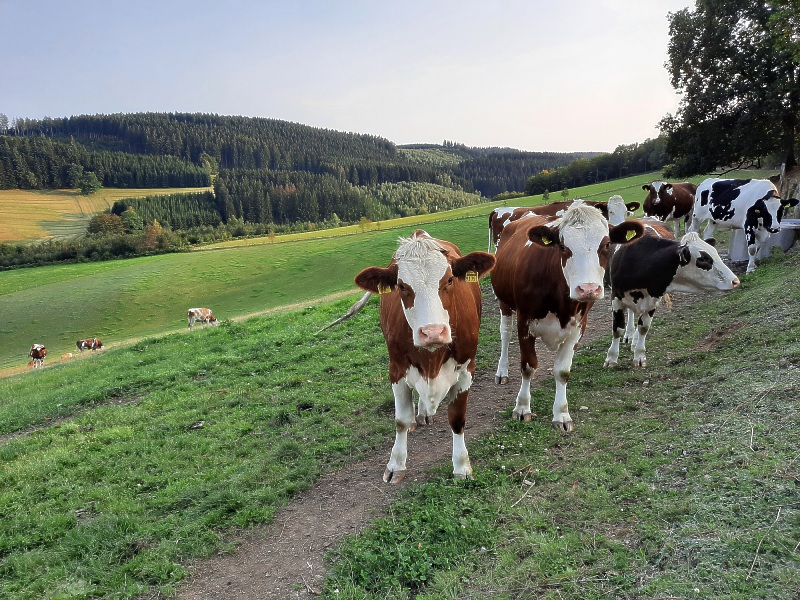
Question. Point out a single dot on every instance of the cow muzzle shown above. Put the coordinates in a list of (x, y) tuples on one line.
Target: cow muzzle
[(774, 229), (587, 292), (433, 335)]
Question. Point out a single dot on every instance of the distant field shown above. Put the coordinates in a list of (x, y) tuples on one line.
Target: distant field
[(30, 215)]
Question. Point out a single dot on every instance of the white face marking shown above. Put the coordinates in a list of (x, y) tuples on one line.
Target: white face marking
[(582, 231), (691, 278), (421, 265), (616, 210)]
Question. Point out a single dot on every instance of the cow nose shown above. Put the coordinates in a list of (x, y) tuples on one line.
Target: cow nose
[(589, 291), (773, 229), (735, 283), (430, 335)]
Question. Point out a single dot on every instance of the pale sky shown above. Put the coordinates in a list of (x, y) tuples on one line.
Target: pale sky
[(554, 75)]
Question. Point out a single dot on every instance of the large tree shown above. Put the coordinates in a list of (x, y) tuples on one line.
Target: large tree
[(739, 75)]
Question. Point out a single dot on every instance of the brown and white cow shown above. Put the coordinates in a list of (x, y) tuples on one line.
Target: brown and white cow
[(430, 315), (641, 274), (89, 344), (38, 353), (614, 210), (670, 202), (204, 315), (550, 272)]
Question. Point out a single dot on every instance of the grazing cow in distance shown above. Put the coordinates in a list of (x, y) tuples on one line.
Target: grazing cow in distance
[(204, 315), (92, 344), (550, 272), (430, 315), (670, 202), (752, 205), (38, 353), (642, 273), (614, 210)]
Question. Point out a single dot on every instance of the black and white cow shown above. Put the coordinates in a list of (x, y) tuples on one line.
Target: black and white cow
[(752, 205), (642, 273)]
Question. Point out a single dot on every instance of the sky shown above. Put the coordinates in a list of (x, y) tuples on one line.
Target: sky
[(537, 75)]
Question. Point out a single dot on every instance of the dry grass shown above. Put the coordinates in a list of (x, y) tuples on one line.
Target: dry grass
[(32, 215)]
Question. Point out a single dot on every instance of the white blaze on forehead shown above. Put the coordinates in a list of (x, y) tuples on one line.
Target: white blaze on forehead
[(582, 230), (616, 210), (690, 278), (421, 264)]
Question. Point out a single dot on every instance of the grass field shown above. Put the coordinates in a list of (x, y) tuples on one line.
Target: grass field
[(119, 301), (30, 215), (680, 481)]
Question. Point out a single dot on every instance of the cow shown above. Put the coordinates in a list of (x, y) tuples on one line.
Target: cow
[(430, 314), (641, 274), (92, 344), (38, 353), (204, 315), (670, 202), (615, 211), (752, 205), (550, 272)]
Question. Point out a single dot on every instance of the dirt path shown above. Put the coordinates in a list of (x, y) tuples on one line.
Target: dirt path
[(285, 558)]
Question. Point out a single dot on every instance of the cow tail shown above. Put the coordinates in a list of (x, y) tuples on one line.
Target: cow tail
[(351, 312), (491, 215)]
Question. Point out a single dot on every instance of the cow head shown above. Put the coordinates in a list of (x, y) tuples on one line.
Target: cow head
[(583, 238), (657, 191), (616, 209), (700, 268), (424, 275), (764, 216)]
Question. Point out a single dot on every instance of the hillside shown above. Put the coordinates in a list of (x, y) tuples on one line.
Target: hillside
[(272, 175), (141, 460)]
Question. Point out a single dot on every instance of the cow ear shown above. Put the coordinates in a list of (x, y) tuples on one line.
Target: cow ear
[(711, 242), (684, 255), (543, 236), (790, 202), (377, 280), (632, 206), (667, 186), (473, 265), (625, 232), (646, 187)]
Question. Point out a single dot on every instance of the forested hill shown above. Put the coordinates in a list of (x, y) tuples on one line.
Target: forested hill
[(224, 142)]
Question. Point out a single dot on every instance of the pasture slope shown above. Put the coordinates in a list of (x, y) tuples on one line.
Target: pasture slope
[(33, 215), (119, 301), (680, 481)]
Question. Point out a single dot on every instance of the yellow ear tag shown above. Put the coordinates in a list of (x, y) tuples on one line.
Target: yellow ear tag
[(471, 277), (758, 212), (630, 234), (546, 241), (384, 289)]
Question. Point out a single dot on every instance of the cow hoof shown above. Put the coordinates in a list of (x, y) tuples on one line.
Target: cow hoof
[(393, 476), (609, 364), (517, 416), (469, 476), (422, 421), (501, 380), (641, 363), (566, 427)]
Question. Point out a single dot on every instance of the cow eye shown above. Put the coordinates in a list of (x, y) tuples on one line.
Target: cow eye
[(450, 281)]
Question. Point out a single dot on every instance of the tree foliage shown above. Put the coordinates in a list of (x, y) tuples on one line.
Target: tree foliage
[(740, 83)]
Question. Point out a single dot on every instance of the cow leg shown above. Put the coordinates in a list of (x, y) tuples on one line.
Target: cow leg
[(403, 419), (561, 368), (506, 324), (645, 322), (457, 416), (617, 329), (528, 364), (630, 327), (708, 232)]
